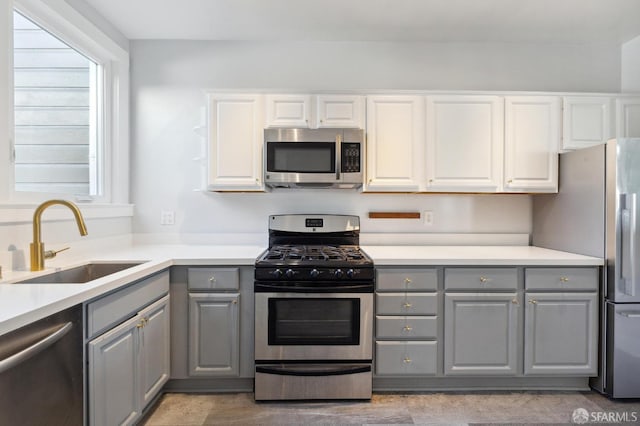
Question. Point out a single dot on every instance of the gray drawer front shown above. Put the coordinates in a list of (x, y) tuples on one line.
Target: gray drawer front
[(406, 327), (561, 279), (481, 278), (110, 310), (213, 278), (406, 358), (396, 279), (406, 303)]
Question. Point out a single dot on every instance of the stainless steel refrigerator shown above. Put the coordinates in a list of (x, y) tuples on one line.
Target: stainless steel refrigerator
[(595, 213)]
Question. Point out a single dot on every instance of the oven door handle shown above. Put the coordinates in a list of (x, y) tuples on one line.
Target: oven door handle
[(351, 288), (339, 370)]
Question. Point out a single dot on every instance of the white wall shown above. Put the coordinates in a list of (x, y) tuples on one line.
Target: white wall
[(631, 65), (169, 79)]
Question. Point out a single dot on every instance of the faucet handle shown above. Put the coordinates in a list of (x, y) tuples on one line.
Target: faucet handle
[(52, 253)]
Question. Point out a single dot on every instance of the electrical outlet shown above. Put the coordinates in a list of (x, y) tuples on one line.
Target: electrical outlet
[(167, 217), (428, 217)]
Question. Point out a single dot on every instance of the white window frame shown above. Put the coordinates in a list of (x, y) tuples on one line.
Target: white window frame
[(63, 21)]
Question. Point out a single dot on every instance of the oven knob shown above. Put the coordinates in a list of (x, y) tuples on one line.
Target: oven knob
[(277, 273), (314, 273), (338, 273), (290, 273), (350, 273)]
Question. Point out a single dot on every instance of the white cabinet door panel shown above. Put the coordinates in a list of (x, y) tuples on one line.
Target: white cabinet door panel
[(532, 136), (586, 121), (288, 110), (395, 140), (464, 143), (340, 111), (628, 118)]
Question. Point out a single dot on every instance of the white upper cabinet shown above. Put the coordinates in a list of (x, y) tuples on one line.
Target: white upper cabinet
[(395, 140), (586, 121), (628, 117), (288, 110), (340, 111), (464, 143), (315, 111), (531, 140), (236, 123)]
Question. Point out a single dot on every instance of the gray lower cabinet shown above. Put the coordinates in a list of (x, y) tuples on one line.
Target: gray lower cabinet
[(561, 333), (128, 365), (481, 333), (214, 334), (406, 322)]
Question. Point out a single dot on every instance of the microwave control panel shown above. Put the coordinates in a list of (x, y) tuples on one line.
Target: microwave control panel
[(350, 158)]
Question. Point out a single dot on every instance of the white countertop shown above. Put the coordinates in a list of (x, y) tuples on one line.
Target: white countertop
[(476, 255), (21, 304)]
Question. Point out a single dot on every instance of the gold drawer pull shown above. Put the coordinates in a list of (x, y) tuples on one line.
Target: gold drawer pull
[(484, 279), (407, 281), (564, 279), (407, 328), (212, 279), (515, 301), (533, 301), (406, 360), (234, 301), (407, 305)]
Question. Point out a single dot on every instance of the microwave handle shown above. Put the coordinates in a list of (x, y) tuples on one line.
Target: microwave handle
[(338, 155)]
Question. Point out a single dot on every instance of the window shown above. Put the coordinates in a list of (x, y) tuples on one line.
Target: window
[(64, 114), (56, 114)]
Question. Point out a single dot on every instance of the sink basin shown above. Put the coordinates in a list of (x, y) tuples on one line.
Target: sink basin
[(80, 274)]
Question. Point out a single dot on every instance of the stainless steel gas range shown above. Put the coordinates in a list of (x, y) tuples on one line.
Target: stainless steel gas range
[(313, 310)]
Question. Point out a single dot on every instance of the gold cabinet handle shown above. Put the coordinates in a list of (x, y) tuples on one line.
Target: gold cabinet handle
[(533, 301), (143, 322), (515, 301), (407, 305), (510, 181), (212, 279), (406, 360), (484, 279), (564, 279), (407, 328), (407, 281), (234, 301)]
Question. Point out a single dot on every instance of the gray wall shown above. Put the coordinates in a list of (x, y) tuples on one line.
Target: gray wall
[(169, 79)]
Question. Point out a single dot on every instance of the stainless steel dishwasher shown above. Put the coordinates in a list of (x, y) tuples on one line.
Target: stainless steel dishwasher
[(41, 380)]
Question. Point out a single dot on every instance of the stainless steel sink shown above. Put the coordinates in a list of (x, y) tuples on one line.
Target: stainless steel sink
[(80, 274)]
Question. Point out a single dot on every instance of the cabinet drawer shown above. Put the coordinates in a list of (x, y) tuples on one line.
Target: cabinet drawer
[(406, 303), (481, 278), (406, 358), (407, 279), (407, 327), (116, 307), (213, 278), (561, 279)]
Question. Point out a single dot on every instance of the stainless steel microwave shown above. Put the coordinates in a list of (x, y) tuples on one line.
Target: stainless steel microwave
[(313, 158)]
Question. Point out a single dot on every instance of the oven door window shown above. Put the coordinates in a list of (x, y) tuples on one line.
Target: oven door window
[(316, 321), (301, 157)]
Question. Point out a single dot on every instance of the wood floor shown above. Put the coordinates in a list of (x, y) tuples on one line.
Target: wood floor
[(424, 408)]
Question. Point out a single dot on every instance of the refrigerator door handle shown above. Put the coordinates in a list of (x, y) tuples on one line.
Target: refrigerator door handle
[(629, 314), (629, 259)]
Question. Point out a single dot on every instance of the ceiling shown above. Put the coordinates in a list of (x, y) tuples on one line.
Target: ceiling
[(509, 21)]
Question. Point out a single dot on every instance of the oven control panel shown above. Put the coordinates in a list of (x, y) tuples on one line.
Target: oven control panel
[(313, 274)]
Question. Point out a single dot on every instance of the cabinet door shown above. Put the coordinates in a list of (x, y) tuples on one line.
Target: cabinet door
[(114, 376), (561, 333), (340, 111), (532, 137), (406, 358), (154, 349), (628, 118), (481, 333), (288, 110), (235, 143), (395, 140), (464, 143), (585, 121), (214, 330)]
